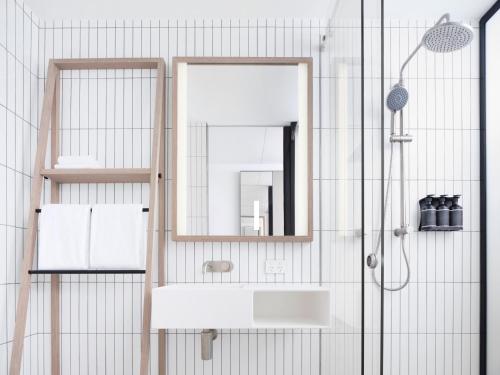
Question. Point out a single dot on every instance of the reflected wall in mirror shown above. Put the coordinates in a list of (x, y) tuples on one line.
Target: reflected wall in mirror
[(242, 149), (262, 203)]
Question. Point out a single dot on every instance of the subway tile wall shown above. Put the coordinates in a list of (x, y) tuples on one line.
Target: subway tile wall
[(431, 326), (20, 52), (109, 115)]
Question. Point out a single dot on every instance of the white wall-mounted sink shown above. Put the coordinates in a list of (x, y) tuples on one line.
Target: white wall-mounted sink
[(240, 306)]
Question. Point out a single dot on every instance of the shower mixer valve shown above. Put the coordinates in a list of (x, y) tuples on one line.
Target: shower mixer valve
[(401, 138), (403, 231)]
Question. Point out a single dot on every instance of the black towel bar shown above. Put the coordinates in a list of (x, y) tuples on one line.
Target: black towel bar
[(38, 210), (84, 272)]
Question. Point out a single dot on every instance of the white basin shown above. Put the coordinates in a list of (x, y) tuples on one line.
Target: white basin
[(240, 306)]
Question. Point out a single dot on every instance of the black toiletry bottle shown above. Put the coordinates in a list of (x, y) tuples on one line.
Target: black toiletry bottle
[(442, 213), (456, 213), (427, 214)]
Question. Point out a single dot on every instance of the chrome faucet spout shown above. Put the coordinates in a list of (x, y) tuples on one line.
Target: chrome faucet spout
[(205, 267)]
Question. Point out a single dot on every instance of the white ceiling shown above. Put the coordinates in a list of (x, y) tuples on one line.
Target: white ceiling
[(242, 94), (247, 146), (414, 9), (157, 9)]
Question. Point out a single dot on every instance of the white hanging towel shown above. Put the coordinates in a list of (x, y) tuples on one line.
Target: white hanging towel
[(64, 237), (116, 238)]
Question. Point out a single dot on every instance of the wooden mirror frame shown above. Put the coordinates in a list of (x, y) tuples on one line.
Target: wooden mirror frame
[(244, 61)]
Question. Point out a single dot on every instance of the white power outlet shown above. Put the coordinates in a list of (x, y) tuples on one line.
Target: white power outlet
[(275, 266)]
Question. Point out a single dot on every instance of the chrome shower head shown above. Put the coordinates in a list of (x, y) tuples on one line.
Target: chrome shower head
[(397, 98), (447, 37)]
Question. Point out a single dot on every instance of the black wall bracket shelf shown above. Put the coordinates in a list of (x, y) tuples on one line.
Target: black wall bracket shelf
[(428, 225), (441, 229)]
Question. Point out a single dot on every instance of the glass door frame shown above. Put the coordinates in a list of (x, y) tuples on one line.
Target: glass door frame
[(483, 328)]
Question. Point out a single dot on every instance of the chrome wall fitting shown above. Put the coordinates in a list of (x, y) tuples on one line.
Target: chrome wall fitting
[(403, 138), (207, 343), (217, 266), (372, 261), (403, 231)]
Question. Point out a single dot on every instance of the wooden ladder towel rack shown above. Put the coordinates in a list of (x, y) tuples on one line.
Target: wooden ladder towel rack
[(155, 176)]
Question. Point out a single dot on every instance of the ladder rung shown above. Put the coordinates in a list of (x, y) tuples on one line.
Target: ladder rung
[(97, 175)]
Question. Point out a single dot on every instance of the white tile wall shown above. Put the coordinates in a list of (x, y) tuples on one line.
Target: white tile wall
[(19, 102), (106, 114), (431, 327)]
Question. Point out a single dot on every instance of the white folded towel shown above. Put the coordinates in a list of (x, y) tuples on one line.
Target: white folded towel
[(64, 237), (78, 166), (77, 161), (116, 236)]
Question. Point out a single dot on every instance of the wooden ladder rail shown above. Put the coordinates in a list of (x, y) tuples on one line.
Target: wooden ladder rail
[(29, 248), (50, 114), (153, 192), (55, 319), (162, 345)]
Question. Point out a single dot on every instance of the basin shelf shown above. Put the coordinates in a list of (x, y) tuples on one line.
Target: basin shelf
[(240, 306)]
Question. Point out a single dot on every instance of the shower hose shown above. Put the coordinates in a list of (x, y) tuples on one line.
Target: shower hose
[(379, 239)]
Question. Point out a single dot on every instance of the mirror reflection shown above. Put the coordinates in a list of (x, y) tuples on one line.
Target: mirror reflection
[(239, 142), (262, 203)]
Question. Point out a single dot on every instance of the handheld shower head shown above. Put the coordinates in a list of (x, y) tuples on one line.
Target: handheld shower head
[(447, 37), (397, 98)]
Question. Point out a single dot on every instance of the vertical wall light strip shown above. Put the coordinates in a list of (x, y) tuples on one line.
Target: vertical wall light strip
[(207, 186), (256, 219), (342, 142), (301, 164), (182, 77)]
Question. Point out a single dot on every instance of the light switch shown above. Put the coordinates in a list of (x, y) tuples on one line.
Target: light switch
[(275, 266)]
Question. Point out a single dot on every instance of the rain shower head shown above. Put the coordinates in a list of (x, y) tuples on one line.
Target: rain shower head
[(397, 98), (447, 37), (444, 36)]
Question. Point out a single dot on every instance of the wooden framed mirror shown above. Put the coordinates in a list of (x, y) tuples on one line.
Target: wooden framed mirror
[(242, 149)]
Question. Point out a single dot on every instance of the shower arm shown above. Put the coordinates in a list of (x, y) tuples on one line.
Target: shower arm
[(445, 17), (407, 61)]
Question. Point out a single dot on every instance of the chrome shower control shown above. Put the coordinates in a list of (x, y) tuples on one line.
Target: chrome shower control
[(371, 261), (403, 231), (403, 138), (217, 266)]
